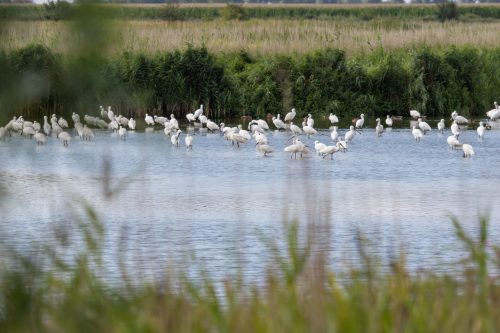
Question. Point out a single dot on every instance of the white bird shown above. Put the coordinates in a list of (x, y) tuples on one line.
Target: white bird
[(493, 114), (308, 130), (149, 120), (190, 117), (189, 142), (113, 125), (101, 123), (40, 138), (453, 142), (264, 148), (17, 126), (441, 126), (75, 117), (349, 135), (236, 137), (260, 138), (333, 118), (244, 133), (89, 120), (334, 135), (46, 126), (212, 126), (424, 127), (415, 114), (342, 144), (290, 115), (318, 146), (111, 114), (379, 128), (160, 120), (29, 131), (225, 129), (262, 124), (278, 123), (65, 138), (458, 119), (310, 120), (131, 124), (388, 121), (254, 126), (296, 147), (417, 133), (455, 129), (168, 129), (122, 132), (295, 129), (174, 122), (175, 138), (27, 124), (63, 123), (56, 129), (87, 133), (468, 151), (79, 129), (36, 126), (360, 122), (330, 150), (3, 133), (203, 119), (103, 112), (123, 121), (480, 130), (8, 127), (198, 112)]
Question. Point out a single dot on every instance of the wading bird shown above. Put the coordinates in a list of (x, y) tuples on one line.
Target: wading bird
[(441, 126), (468, 151), (417, 133), (388, 121), (290, 115)]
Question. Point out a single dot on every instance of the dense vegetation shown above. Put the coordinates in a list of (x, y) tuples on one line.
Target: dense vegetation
[(60, 289), (176, 12), (38, 82)]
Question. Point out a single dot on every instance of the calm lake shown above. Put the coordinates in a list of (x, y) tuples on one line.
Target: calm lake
[(218, 206)]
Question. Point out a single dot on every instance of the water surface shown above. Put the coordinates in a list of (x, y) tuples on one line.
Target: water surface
[(215, 204)]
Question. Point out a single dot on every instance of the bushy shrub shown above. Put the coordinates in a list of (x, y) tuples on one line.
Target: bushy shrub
[(447, 11), (233, 12), (57, 10), (171, 12)]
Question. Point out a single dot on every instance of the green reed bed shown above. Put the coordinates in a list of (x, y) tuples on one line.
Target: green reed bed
[(40, 82)]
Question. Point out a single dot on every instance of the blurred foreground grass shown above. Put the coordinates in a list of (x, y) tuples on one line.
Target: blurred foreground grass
[(301, 293)]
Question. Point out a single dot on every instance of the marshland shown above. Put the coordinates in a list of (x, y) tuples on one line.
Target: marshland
[(124, 227)]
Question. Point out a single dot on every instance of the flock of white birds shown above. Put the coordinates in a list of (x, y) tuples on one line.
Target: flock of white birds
[(257, 129)]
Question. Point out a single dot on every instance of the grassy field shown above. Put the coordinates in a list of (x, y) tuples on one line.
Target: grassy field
[(263, 37), (298, 11)]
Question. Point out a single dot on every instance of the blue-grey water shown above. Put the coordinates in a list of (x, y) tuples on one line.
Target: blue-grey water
[(217, 207)]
